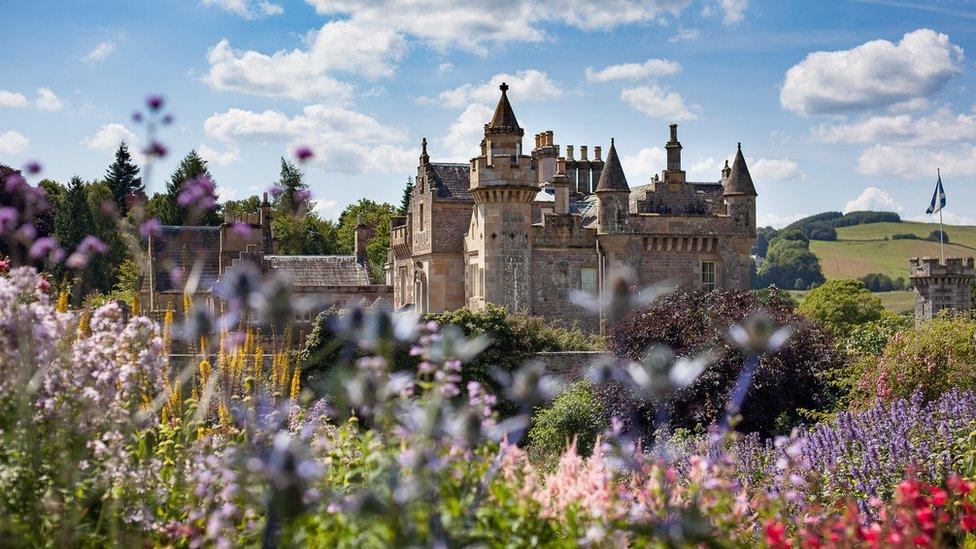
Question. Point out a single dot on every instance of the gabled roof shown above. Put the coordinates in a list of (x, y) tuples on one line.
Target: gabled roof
[(183, 249), (739, 181), (318, 270), (504, 117), (451, 181), (612, 178)]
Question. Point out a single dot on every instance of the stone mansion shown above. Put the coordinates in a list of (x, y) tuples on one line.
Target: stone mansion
[(522, 230)]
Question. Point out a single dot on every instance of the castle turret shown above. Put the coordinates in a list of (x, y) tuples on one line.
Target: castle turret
[(503, 185), (740, 194), (612, 196), (942, 286)]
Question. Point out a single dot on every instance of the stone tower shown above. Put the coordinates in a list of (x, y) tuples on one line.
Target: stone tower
[(613, 196), (941, 286), (503, 186)]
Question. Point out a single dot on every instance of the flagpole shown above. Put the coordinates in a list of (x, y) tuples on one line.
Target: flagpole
[(941, 232)]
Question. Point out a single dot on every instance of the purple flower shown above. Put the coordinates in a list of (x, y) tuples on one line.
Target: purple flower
[(77, 260), (14, 182), (149, 227), (155, 102), (241, 229), (167, 119), (8, 220), (92, 244), (155, 149), (302, 196), (26, 233), (33, 167), (137, 117), (42, 247), (199, 192), (176, 276), (303, 153), (275, 191)]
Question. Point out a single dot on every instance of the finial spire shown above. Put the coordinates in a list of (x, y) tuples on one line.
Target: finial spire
[(423, 145), (503, 87), (504, 118), (739, 146)]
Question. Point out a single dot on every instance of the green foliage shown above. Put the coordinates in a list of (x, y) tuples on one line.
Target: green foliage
[(939, 236), (103, 269), (576, 414), (789, 262), (238, 208), (904, 236), (376, 216), (405, 199), (865, 217), (879, 282), (763, 236), (166, 209), (290, 181), (932, 358), (871, 337), (304, 235), (822, 231), (123, 178), (839, 305)]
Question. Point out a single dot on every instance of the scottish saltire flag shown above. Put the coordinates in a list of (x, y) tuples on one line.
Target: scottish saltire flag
[(938, 199)]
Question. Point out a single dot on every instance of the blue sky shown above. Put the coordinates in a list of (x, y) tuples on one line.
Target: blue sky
[(838, 105)]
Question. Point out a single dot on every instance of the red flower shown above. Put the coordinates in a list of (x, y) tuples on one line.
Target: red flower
[(968, 522), (43, 285), (939, 497), (775, 534)]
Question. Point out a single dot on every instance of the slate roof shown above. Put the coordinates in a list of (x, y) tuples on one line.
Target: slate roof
[(452, 180), (612, 177), (185, 248), (504, 117), (739, 181), (319, 270)]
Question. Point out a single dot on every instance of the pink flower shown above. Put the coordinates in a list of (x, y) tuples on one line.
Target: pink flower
[(155, 102), (148, 228), (42, 247), (303, 153)]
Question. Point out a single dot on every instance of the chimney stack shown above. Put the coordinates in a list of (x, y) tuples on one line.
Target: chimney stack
[(359, 240), (598, 153), (569, 152), (583, 152)]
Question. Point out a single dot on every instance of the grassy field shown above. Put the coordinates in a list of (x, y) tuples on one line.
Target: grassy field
[(861, 249), (896, 302)]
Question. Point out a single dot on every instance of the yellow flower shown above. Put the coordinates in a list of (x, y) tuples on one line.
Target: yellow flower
[(62, 305), (295, 385)]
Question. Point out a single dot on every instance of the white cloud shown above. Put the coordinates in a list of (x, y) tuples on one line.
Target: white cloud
[(734, 11), (708, 169), (108, 137), (872, 198), (213, 156), (915, 163), (12, 142), (774, 170), (99, 52), (948, 216), (343, 140), (224, 193), (527, 85), (634, 71), (658, 102), (247, 9), (874, 74), (689, 35), (938, 127), (642, 166), (305, 74), (47, 101), (444, 68), (474, 26), (463, 138), (778, 221), (12, 99), (328, 209)]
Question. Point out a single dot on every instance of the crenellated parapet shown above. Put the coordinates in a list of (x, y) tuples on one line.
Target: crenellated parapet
[(942, 285)]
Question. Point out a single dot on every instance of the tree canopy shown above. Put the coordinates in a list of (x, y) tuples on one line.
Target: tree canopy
[(839, 305), (122, 178)]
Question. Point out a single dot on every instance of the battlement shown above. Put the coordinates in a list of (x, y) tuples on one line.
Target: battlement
[(253, 218), (932, 266)]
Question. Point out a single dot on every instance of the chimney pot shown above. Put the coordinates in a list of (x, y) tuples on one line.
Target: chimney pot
[(569, 152), (598, 153), (583, 152)]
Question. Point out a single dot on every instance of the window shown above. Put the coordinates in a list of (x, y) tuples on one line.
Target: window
[(708, 274), (421, 220), (588, 281)]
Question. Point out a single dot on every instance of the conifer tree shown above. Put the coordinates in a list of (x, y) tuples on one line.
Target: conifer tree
[(405, 200), (72, 219), (167, 210), (123, 178), (290, 181)]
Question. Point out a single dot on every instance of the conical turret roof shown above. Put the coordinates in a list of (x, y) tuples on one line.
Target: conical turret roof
[(504, 118), (612, 178), (739, 180)]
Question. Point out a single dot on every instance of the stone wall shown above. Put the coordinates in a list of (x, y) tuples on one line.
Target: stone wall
[(569, 365)]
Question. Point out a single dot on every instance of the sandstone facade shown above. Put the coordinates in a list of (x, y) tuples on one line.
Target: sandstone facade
[(940, 286), (523, 230)]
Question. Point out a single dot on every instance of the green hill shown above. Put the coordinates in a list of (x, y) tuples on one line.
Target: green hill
[(862, 249)]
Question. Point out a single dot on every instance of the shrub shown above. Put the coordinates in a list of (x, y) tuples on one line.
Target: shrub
[(790, 380), (904, 236), (839, 305), (879, 282), (576, 414), (871, 337), (789, 259), (935, 235), (931, 358), (763, 236), (822, 231)]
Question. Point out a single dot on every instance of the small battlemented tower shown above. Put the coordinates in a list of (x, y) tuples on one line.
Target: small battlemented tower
[(941, 286)]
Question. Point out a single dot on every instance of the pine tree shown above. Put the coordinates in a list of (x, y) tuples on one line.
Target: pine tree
[(167, 210), (123, 178), (405, 200), (72, 219), (290, 181)]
